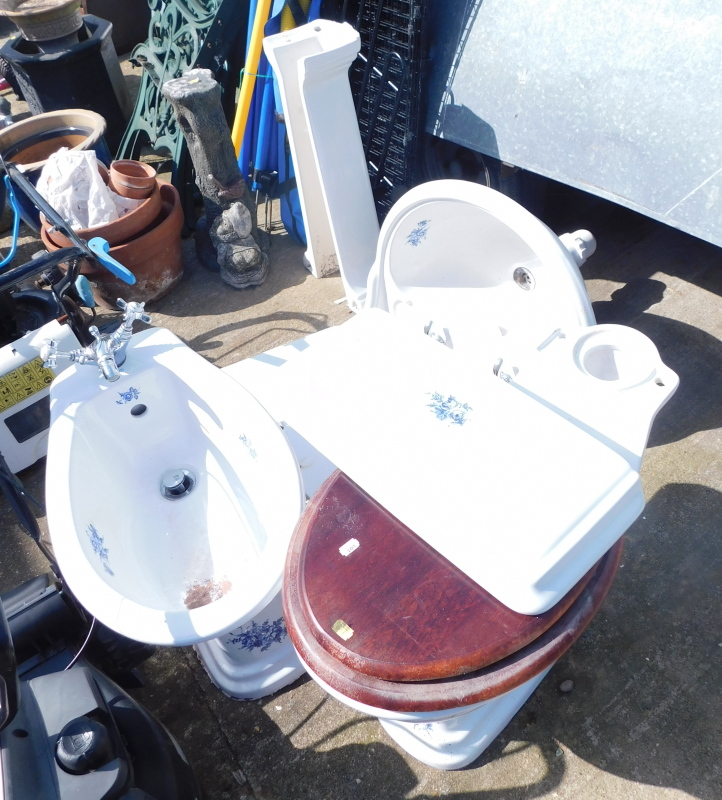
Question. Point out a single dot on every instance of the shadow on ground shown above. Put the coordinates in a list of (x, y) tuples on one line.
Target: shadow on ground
[(620, 232), (694, 354), (203, 293)]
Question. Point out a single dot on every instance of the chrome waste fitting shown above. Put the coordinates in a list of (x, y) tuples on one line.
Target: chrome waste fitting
[(177, 483)]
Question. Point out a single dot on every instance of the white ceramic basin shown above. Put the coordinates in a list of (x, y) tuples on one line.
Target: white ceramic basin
[(168, 571)]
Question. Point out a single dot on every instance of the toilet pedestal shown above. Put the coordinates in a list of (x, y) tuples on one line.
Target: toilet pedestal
[(455, 742), (254, 660), (448, 739)]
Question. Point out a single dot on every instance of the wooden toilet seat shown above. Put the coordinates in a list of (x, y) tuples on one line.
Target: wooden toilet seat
[(384, 619)]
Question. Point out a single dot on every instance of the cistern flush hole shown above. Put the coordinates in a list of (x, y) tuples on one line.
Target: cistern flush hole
[(622, 357), (177, 483), (601, 363), (609, 363)]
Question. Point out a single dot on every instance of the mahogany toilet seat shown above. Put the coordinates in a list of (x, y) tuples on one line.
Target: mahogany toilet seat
[(385, 620)]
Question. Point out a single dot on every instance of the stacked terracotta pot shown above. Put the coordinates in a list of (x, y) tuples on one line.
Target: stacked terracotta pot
[(146, 240)]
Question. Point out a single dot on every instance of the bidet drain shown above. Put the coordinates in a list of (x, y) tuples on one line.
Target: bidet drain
[(177, 483)]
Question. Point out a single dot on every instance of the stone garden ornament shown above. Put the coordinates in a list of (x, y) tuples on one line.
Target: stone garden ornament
[(227, 236)]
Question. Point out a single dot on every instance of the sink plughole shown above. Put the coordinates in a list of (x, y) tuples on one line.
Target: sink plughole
[(159, 569)]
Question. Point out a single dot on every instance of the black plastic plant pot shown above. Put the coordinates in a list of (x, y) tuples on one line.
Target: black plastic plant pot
[(86, 74)]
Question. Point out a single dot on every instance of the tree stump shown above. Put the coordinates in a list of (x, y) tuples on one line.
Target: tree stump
[(227, 236)]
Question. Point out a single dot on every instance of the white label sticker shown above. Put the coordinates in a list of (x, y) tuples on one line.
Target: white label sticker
[(349, 547)]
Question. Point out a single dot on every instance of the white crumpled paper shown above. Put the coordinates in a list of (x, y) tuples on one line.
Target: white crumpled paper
[(71, 183)]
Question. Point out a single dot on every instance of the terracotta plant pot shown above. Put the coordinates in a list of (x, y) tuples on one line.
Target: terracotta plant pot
[(132, 179), (30, 142), (130, 226), (155, 258)]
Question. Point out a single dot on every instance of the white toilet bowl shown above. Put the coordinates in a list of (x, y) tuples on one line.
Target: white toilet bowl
[(441, 664), (467, 266)]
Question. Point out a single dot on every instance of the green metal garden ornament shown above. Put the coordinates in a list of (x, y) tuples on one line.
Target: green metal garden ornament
[(183, 35)]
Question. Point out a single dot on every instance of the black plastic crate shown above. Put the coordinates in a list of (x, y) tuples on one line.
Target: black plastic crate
[(386, 83)]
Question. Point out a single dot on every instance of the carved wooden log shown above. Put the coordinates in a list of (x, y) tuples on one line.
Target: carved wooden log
[(227, 236)]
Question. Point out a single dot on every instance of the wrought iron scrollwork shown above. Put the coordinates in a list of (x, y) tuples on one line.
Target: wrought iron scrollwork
[(182, 35)]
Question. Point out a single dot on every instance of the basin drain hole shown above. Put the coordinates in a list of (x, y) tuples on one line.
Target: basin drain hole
[(177, 483), (524, 279)]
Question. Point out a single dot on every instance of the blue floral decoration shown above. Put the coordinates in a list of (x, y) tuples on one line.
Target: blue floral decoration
[(249, 445), (98, 544), (448, 408), (425, 729), (128, 396), (418, 233), (260, 636)]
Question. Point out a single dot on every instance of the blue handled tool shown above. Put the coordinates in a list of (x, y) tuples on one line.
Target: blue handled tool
[(100, 249), (98, 252)]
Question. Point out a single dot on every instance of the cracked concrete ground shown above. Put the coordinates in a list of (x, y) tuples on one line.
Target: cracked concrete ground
[(643, 721)]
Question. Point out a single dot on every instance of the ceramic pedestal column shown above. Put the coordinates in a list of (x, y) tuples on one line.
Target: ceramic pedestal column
[(451, 738), (254, 660)]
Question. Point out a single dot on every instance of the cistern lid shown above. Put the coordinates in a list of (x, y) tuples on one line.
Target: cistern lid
[(503, 485)]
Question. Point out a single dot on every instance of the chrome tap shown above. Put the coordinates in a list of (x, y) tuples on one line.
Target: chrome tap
[(108, 349)]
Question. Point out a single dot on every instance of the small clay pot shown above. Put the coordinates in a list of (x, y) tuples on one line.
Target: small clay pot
[(120, 230), (132, 179), (155, 258)]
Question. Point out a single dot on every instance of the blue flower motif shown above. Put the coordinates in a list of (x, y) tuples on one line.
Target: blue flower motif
[(128, 396), (98, 544), (249, 445), (259, 636), (425, 729), (418, 233), (448, 408)]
